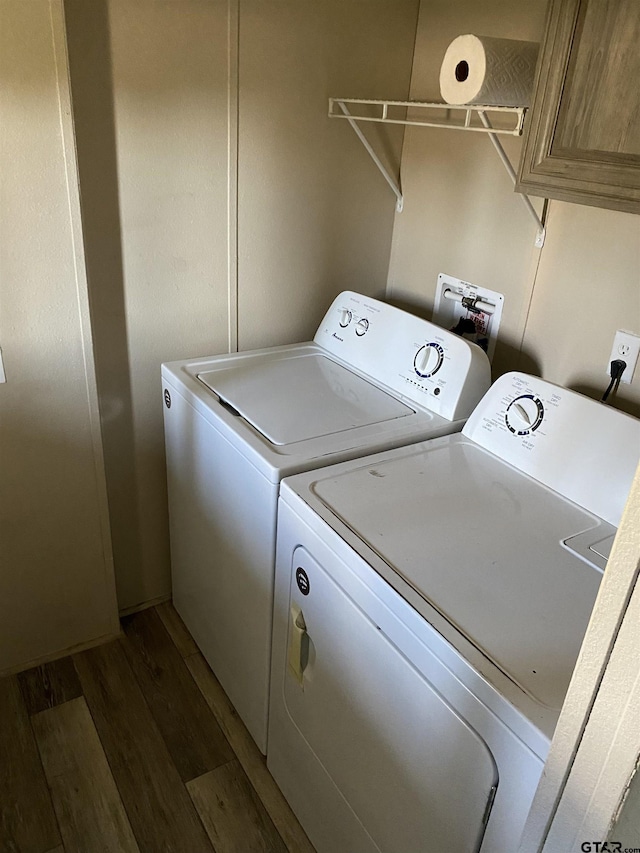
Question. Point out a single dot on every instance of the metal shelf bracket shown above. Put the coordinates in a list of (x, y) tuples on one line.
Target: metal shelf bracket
[(453, 117), (385, 174), (502, 154)]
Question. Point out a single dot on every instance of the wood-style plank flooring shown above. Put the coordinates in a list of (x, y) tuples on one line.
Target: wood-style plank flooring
[(133, 747)]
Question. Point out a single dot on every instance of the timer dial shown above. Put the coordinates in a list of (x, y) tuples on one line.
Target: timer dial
[(524, 414), (362, 326), (345, 317), (428, 360)]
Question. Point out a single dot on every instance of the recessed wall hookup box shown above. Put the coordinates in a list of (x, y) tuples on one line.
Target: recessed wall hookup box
[(458, 300)]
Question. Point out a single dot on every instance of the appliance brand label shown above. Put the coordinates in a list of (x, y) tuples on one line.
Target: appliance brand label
[(302, 579)]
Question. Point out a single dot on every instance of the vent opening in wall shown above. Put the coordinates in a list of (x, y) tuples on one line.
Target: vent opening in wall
[(470, 311)]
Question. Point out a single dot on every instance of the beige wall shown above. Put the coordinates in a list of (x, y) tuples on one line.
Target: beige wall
[(149, 82), (155, 95), (154, 102), (158, 107), (587, 286), (563, 303), (314, 214), (56, 573)]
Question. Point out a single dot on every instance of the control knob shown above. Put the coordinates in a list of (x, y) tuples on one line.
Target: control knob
[(428, 360), (524, 414), (345, 317), (361, 327)]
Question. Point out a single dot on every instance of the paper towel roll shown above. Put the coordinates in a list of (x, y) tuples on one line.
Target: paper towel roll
[(486, 70)]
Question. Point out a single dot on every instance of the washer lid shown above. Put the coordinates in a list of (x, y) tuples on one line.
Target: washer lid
[(483, 544), (301, 397)]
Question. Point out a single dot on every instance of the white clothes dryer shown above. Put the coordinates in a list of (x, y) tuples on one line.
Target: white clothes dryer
[(430, 606), (373, 378)]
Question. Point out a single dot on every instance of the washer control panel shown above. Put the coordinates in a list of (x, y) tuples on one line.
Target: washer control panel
[(418, 360), (577, 446), (518, 414)]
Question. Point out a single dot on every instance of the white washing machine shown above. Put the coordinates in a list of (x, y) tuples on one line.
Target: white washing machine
[(430, 605), (373, 378)]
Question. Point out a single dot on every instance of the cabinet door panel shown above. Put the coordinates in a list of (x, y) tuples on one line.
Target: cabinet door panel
[(583, 139), (590, 118)]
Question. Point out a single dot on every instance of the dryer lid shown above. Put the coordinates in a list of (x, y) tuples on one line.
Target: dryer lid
[(301, 397)]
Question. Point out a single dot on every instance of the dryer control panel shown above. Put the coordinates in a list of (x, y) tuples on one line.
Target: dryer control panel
[(577, 446), (429, 365)]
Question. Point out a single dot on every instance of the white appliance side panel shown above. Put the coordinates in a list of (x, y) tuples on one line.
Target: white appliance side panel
[(222, 525), (579, 447), (316, 792)]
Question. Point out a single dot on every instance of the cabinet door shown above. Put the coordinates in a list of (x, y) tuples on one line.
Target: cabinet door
[(583, 138)]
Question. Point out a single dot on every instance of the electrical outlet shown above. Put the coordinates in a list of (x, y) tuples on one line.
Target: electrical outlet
[(626, 345)]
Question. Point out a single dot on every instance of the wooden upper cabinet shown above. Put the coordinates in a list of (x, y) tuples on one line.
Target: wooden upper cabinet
[(583, 137)]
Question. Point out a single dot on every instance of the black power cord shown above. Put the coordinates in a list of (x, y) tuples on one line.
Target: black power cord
[(616, 370)]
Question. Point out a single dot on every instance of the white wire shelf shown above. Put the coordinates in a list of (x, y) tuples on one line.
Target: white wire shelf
[(467, 117), (425, 114)]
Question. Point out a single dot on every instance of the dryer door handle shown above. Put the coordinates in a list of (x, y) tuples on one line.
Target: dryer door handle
[(298, 644)]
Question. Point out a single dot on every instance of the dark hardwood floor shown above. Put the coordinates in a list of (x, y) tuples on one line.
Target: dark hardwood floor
[(133, 747)]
